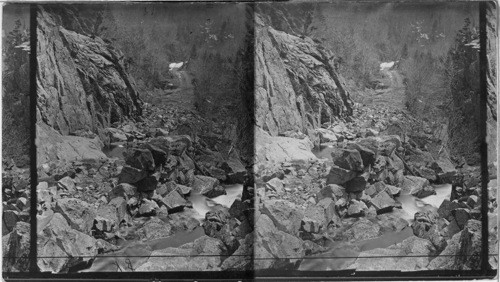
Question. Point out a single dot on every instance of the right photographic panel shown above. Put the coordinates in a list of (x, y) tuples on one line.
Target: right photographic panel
[(371, 120)]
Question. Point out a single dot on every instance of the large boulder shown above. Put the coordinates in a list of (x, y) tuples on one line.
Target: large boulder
[(423, 221), (147, 184), (462, 216), (106, 220), (148, 207), (326, 136), (174, 201), (159, 156), (274, 248), (444, 169), (67, 184), (120, 204), (410, 255), (422, 192), (185, 220), (387, 144), (332, 191), (215, 221), (368, 148), (417, 186), (446, 259), (204, 254), (115, 135), (220, 225), (357, 184), (314, 219), (277, 149), (463, 251), (392, 222), (155, 228), (10, 219), (328, 206), (79, 214), (52, 145), (235, 170), (140, 158), (16, 249), (207, 186), (275, 185), (348, 159), (61, 247), (447, 207), (128, 259), (175, 145), (242, 258), (131, 175), (356, 208), (123, 190), (338, 175), (383, 202), (394, 163), (285, 215), (375, 188), (363, 229)]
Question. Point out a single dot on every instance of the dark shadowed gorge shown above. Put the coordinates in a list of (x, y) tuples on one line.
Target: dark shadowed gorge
[(144, 139), (367, 139), (250, 137)]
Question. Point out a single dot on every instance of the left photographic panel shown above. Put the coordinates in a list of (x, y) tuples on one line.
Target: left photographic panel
[(16, 138), (144, 137)]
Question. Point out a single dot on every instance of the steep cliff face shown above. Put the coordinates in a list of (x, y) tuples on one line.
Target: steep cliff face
[(82, 84), (82, 88), (292, 18), (297, 86), (491, 81)]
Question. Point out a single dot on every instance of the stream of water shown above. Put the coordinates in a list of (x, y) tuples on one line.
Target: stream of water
[(202, 204), (412, 205), (340, 254), (137, 252), (324, 151), (115, 150)]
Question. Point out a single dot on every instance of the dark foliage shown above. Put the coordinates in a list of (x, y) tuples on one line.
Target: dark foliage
[(15, 98), (462, 73)]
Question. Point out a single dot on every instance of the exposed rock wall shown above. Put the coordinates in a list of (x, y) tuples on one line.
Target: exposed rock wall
[(491, 81), (82, 84), (295, 19), (82, 87), (297, 87)]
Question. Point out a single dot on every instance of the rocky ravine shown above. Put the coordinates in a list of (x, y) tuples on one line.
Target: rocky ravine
[(82, 88), (335, 212), (297, 87), (137, 203), (347, 205)]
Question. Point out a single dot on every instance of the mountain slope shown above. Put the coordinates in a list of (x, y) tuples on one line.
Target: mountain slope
[(297, 86), (82, 85), (75, 70)]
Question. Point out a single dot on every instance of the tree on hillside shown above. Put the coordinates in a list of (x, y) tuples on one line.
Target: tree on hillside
[(15, 56), (15, 97), (404, 52), (462, 77)]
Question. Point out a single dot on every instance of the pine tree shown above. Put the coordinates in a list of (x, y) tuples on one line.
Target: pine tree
[(462, 76)]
